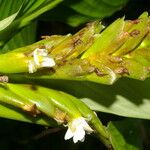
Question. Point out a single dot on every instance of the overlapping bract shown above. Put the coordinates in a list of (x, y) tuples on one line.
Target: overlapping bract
[(92, 54)]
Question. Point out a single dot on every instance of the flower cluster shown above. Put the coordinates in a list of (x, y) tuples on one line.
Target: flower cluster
[(40, 60), (77, 129)]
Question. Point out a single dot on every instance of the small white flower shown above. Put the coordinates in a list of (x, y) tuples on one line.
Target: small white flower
[(77, 129), (40, 59), (47, 62)]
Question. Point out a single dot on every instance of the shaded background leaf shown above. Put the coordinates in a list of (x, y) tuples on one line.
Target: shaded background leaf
[(77, 12), (9, 7), (125, 134), (28, 12), (24, 37)]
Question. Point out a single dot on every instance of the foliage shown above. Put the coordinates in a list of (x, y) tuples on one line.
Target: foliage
[(62, 79)]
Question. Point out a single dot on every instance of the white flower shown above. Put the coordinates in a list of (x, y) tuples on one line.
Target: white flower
[(77, 129), (40, 59)]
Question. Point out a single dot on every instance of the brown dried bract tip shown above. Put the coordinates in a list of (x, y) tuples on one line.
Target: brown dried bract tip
[(60, 116), (32, 109), (4, 79), (76, 42), (41, 46), (134, 33), (136, 21), (121, 71), (98, 72)]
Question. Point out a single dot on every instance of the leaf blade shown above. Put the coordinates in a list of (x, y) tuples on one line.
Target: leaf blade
[(125, 135)]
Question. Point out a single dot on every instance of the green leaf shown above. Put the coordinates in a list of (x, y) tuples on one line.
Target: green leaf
[(29, 11), (24, 37), (95, 8), (7, 21), (129, 98), (78, 12), (9, 7), (125, 135), (70, 16)]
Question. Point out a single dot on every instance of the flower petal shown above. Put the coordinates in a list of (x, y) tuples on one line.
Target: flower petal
[(87, 127), (69, 134), (48, 62), (79, 135), (31, 66), (77, 129)]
